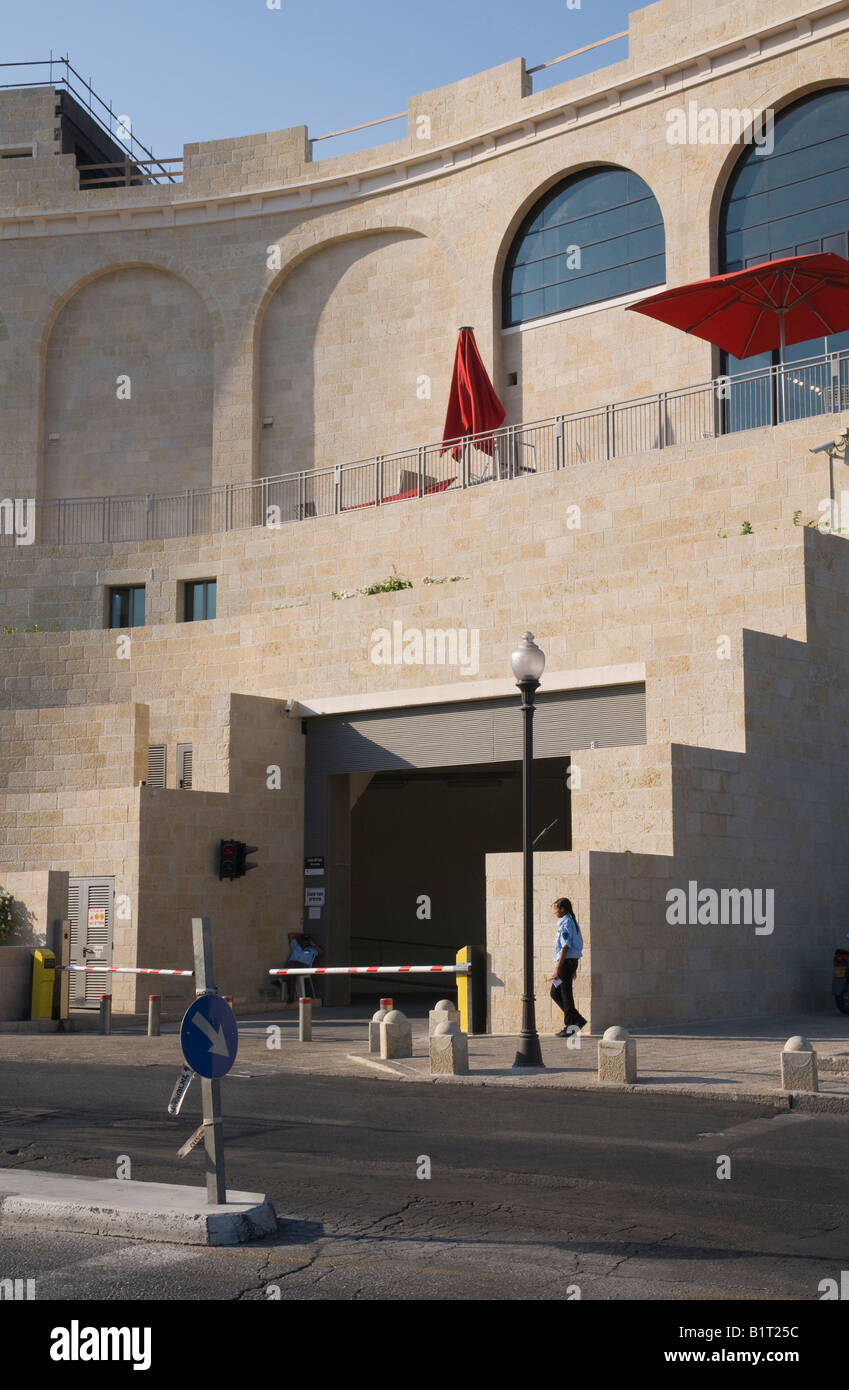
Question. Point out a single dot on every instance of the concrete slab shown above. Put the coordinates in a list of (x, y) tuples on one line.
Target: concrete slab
[(138, 1210)]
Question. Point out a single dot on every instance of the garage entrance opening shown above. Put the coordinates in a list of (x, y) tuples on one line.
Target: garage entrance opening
[(418, 870)]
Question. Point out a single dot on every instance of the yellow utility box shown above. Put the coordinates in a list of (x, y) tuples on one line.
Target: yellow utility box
[(43, 975)]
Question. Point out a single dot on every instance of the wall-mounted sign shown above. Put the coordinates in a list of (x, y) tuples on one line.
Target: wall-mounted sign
[(313, 864), (97, 918), (314, 897)]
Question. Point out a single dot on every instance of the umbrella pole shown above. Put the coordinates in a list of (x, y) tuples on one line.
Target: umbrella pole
[(782, 328)]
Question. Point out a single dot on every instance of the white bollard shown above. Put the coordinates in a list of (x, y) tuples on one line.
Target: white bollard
[(443, 1012), (799, 1065), (396, 1035), (449, 1049), (374, 1025), (617, 1056)]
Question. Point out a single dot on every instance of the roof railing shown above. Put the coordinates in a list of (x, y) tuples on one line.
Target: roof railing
[(82, 91)]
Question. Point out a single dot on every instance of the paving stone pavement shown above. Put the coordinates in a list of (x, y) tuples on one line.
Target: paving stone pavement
[(737, 1059)]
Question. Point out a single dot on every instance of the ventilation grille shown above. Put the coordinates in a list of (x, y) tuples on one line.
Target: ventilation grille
[(156, 765), (184, 766)]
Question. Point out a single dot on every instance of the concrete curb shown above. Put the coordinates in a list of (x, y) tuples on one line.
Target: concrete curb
[(136, 1210), (546, 1080)]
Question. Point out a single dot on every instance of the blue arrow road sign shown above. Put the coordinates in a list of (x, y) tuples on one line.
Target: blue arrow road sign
[(209, 1036)]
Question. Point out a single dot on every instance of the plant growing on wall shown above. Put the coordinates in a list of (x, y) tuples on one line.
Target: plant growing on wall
[(7, 925), (388, 586), (383, 586)]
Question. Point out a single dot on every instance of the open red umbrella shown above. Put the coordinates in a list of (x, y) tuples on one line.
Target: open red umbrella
[(473, 407), (761, 308)]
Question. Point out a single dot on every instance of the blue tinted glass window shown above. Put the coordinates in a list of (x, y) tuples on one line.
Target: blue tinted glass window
[(200, 600), (137, 608), (596, 236), (126, 607), (797, 195), (791, 201)]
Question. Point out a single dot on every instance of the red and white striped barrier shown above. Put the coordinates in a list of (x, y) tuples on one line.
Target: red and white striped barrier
[(374, 970), (125, 970)]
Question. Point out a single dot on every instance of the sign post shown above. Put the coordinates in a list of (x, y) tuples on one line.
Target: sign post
[(209, 1039)]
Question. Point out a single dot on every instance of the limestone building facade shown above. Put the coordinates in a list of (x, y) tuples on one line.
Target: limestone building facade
[(214, 389)]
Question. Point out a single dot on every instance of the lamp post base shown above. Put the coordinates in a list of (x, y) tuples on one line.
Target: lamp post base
[(529, 1053)]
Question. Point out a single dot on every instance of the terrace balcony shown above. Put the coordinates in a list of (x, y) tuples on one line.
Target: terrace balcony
[(727, 405)]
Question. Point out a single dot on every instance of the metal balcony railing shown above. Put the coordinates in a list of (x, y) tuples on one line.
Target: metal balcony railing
[(727, 405)]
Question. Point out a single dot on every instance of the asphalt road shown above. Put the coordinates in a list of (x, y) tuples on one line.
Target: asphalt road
[(532, 1194)]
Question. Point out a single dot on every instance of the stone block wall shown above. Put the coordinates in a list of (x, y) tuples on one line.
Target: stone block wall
[(430, 222)]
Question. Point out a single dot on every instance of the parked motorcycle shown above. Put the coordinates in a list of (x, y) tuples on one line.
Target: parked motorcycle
[(840, 979)]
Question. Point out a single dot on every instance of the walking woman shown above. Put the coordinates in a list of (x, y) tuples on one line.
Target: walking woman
[(568, 949)]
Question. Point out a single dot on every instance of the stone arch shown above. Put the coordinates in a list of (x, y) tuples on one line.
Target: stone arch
[(144, 322), (353, 338)]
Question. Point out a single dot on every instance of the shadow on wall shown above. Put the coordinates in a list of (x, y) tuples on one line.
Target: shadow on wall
[(128, 388), (356, 351)]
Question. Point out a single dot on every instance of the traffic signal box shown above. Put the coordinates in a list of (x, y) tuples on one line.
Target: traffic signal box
[(233, 859)]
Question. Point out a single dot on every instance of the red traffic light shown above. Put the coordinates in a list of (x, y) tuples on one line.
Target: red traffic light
[(232, 858), (228, 855)]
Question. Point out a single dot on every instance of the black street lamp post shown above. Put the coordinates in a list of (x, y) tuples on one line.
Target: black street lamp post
[(528, 664)]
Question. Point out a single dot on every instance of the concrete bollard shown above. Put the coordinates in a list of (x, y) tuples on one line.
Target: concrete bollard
[(617, 1056), (449, 1049), (154, 1006), (374, 1025), (304, 1020), (799, 1065), (443, 1012), (106, 1013), (396, 1035)]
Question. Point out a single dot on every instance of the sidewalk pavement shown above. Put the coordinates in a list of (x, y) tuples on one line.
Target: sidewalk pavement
[(727, 1060), (715, 1061)]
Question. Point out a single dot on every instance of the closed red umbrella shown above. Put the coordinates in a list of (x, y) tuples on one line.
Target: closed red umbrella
[(473, 407), (762, 308)]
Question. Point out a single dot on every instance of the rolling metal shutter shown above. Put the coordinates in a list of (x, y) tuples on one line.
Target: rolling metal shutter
[(458, 734), (480, 731)]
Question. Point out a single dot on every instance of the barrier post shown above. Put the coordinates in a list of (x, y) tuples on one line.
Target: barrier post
[(464, 992), (106, 1013), (63, 951), (304, 1019), (471, 989), (154, 1003)]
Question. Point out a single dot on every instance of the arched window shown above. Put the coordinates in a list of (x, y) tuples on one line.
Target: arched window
[(595, 236), (786, 198)]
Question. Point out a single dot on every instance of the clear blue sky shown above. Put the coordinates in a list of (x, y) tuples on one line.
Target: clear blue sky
[(204, 69)]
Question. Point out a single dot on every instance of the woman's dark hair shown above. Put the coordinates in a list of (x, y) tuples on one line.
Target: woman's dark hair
[(565, 908)]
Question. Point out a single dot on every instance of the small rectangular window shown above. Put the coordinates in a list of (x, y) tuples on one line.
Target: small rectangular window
[(126, 606), (156, 759), (200, 600)]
